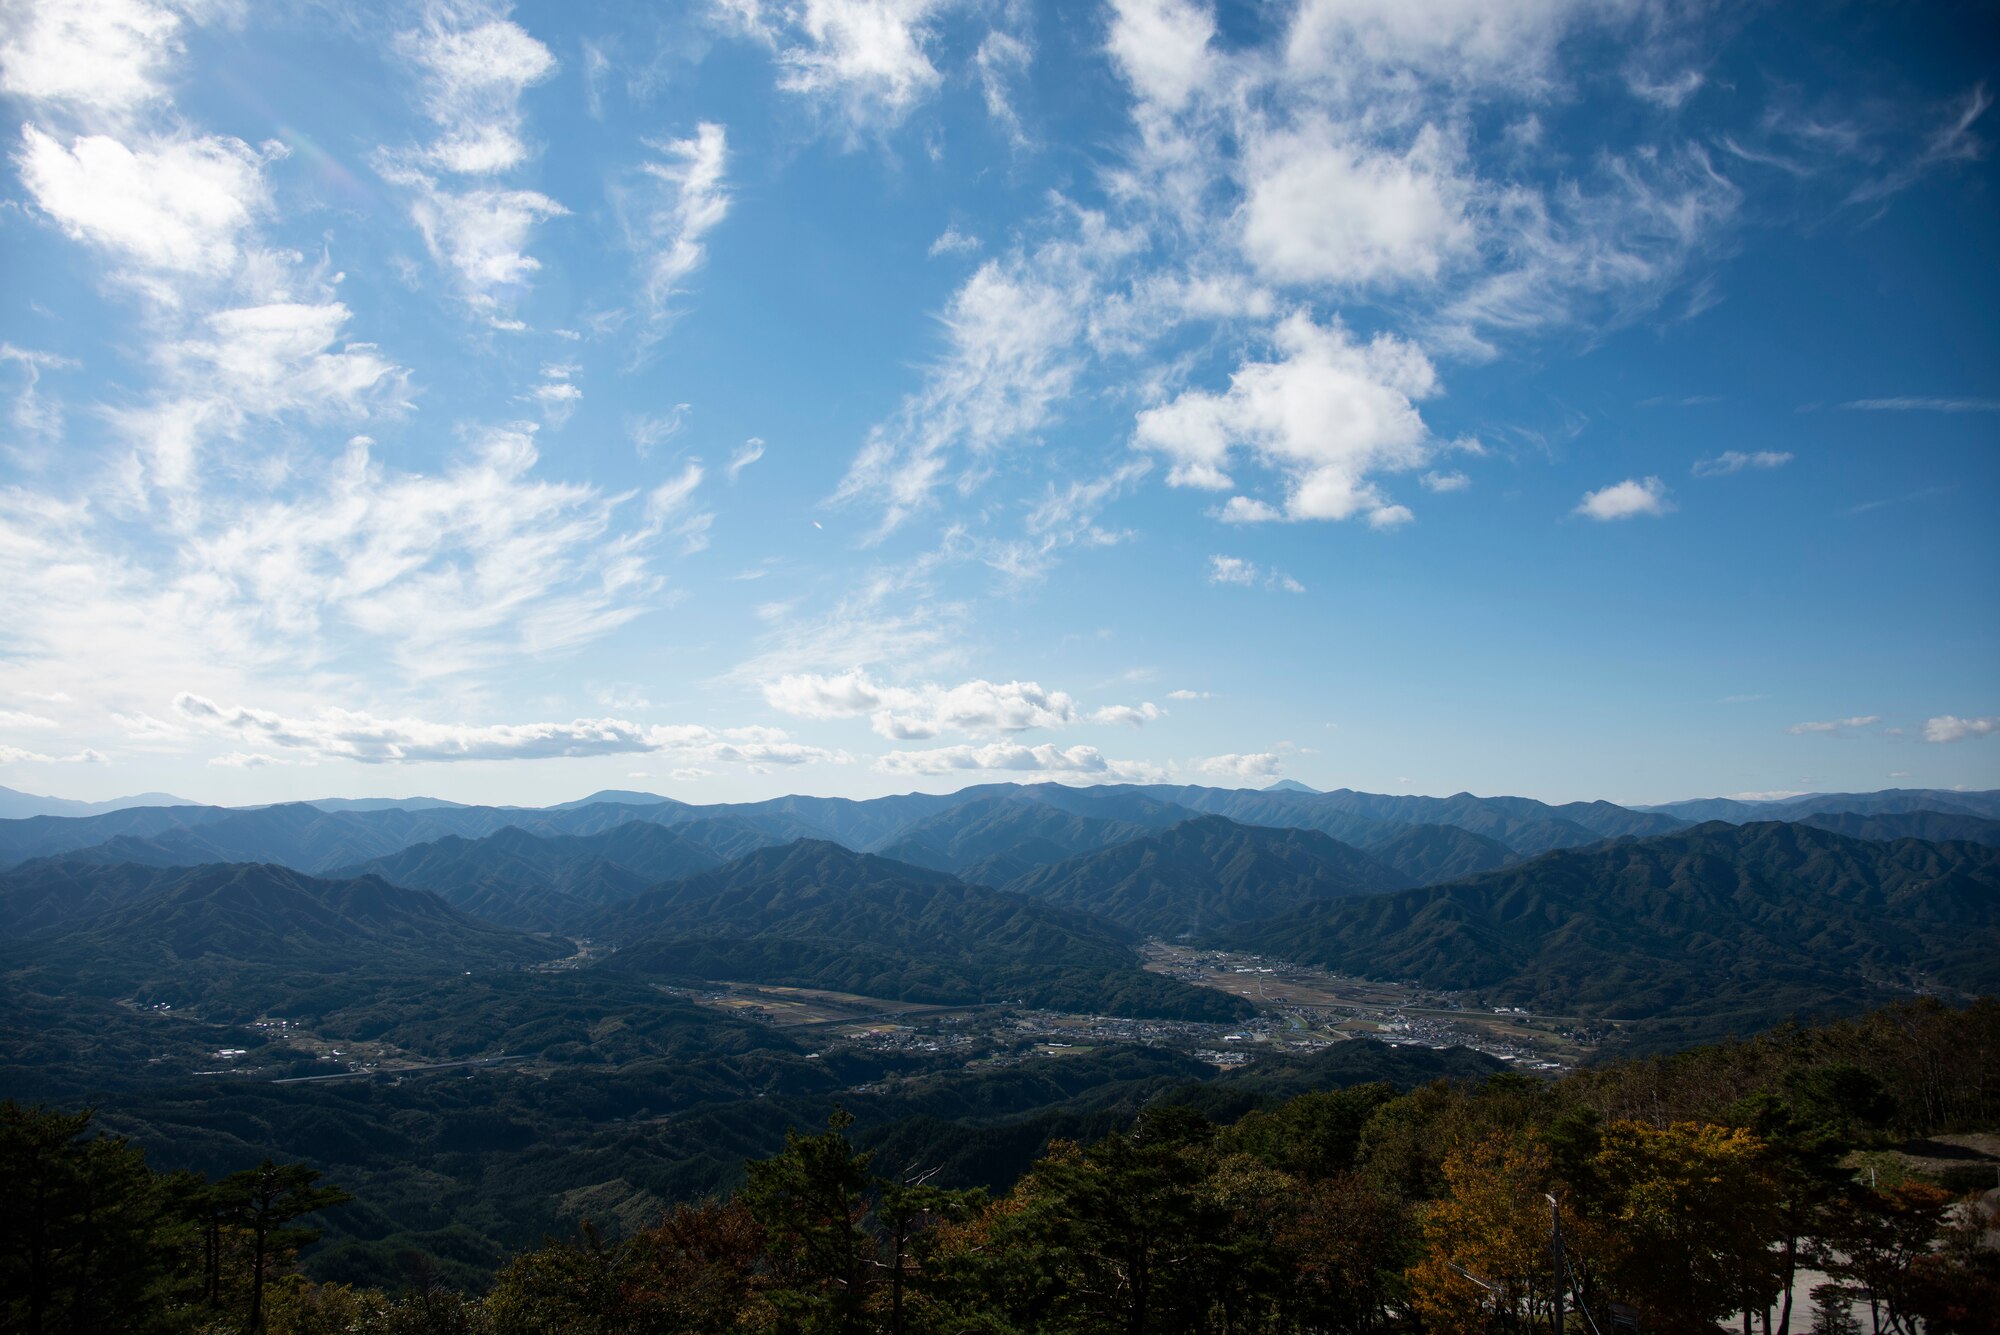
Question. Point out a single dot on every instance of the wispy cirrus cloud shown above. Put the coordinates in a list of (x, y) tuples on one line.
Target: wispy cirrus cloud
[(240, 365), (37, 417), (1013, 332), (434, 575), (1834, 727), (1248, 574), (690, 175), (749, 452), (475, 64), (1911, 404), (1952, 140), (472, 65), (1735, 461), (14, 755)]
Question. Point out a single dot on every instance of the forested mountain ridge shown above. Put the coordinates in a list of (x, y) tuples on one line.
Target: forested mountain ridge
[(990, 829), (977, 839), (1434, 854), (1889, 801), (1523, 824), (50, 893), (320, 837), (51, 836), (1723, 923), (217, 922), (1927, 824), (554, 882), (1206, 874), (815, 914)]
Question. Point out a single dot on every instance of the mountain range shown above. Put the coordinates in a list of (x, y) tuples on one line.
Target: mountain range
[(554, 882), (1041, 893), (990, 833), (17, 805)]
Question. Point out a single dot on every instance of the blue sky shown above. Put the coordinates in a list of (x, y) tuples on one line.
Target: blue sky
[(851, 396)]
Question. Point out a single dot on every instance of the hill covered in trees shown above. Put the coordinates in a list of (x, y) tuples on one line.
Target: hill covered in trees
[(1691, 1191), (815, 914), (170, 937), (555, 882), (1734, 926), (1207, 874)]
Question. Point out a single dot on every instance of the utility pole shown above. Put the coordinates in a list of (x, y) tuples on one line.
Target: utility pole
[(1556, 1248)]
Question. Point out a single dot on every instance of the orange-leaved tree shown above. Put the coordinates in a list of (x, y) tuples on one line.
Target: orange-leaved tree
[(1694, 1207), (1487, 1242)]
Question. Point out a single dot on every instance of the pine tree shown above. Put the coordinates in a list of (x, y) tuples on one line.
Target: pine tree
[(262, 1202)]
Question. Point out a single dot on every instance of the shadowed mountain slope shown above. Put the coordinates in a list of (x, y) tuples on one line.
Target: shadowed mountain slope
[(999, 833), (234, 922), (1208, 873), (554, 882), (818, 915), (1434, 854), (53, 836), (52, 893), (1736, 925)]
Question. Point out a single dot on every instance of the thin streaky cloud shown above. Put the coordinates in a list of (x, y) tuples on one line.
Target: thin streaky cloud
[(1908, 404), (1921, 494), (1834, 727)]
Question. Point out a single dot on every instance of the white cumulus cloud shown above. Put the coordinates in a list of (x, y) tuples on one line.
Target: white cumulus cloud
[(179, 204), (1257, 765), (1951, 728), (904, 713), (481, 235), (1327, 416), (1626, 500), (97, 55), (1323, 209), (1014, 757), (867, 62)]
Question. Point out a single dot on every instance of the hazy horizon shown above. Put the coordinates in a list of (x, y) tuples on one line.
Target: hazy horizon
[(945, 789)]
